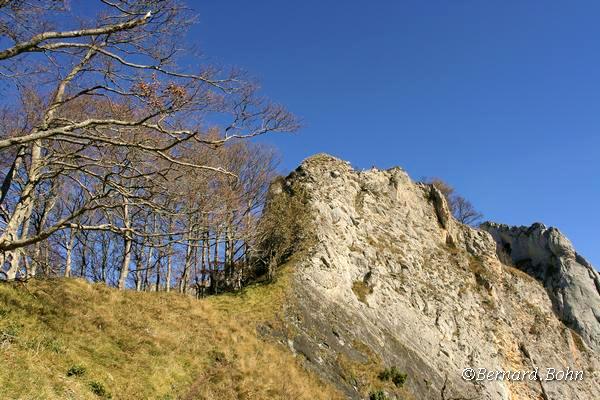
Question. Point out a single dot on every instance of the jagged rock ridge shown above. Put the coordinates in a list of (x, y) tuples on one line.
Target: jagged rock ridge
[(573, 284), (391, 279)]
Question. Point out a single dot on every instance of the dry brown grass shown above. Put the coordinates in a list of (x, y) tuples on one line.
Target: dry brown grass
[(144, 345), (361, 290), (518, 273), (578, 341), (365, 375)]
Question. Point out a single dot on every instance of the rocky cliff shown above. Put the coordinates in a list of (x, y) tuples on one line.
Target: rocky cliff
[(572, 283), (388, 278)]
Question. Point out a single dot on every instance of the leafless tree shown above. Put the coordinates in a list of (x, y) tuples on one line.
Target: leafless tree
[(112, 120), (461, 208), (465, 212)]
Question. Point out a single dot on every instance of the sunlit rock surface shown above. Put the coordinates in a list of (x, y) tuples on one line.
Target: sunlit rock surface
[(394, 280)]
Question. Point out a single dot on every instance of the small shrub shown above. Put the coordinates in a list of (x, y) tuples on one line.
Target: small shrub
[(384, 375), (99, 390), (399, 380), (393, 374), (76, 370), (377, 395)]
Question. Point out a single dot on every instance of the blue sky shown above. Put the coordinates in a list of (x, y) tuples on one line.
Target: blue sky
[(501, 99)]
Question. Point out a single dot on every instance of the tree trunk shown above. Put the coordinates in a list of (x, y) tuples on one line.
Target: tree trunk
[(69, 257), (127, 250), (83, 265), (203, 256), (139, 279), (169, 269), (215, 276), (216, 252), (186, 268), (169, 256), (228, 257), (103, 264), (148, 268), (22, 213), (13, 269), (158, 264)]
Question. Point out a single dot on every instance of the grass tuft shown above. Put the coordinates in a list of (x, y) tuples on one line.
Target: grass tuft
[(99, 390), (76, 370), (361, 290), (394, 375)]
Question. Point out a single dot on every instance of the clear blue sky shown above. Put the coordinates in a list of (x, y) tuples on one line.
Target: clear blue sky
[(501, 99)]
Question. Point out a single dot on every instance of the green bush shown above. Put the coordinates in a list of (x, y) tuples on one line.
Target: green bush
[(377, 395), (76, 370), (99, 390), (399, 380), (393, 374)]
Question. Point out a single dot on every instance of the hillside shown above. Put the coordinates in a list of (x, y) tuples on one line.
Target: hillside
[(379, 293), (68, 339)]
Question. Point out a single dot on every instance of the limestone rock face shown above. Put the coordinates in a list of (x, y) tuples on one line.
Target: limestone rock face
[(390, 278), (572, 282)]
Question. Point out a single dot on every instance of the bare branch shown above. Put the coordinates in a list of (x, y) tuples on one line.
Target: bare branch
[(31, 44)]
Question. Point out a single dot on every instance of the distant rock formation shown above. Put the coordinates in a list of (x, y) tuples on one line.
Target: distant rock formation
[(571, 281), (390, 278)]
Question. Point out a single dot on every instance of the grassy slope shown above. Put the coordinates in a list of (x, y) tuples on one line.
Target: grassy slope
[(144, 345)]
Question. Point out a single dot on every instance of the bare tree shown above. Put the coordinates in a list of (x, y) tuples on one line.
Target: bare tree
[(116, 118), (465, 212), (461, 208)]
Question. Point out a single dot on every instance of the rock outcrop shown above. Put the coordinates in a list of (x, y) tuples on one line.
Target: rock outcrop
[(571, 281), (390, 278)]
